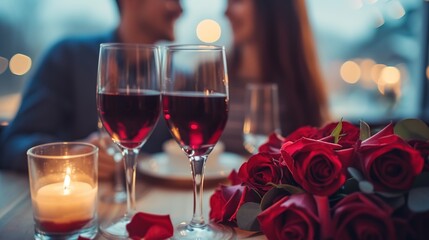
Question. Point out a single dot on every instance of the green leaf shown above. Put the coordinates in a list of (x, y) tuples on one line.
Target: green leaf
[(278, 192), (365, 131), (337, 131), (409, 129), (418, 199), (290, 188), (246, 216), (366, 187), (355, 173)]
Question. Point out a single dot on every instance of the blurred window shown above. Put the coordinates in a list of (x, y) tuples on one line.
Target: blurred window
[(371, 54)]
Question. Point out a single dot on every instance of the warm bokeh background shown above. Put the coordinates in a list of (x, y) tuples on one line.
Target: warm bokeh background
[(373, 52)]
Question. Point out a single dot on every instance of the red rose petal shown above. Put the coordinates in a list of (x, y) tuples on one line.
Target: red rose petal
[(150, 226), (83, 238)]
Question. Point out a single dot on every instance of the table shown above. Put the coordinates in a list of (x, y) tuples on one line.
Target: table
[(16, 217)]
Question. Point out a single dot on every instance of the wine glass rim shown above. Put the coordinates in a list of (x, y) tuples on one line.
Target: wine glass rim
[(194, 47), (128, 45)]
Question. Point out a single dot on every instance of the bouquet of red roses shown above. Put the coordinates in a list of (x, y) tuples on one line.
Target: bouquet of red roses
[(337, 182)]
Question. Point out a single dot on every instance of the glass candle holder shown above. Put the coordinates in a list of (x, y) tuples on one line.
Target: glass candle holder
[(63, 183)]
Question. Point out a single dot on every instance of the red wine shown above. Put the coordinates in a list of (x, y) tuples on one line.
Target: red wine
[(129, 117), (195, 120), (53, 227)]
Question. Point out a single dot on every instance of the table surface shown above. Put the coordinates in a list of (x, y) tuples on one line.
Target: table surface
[(152, 196)]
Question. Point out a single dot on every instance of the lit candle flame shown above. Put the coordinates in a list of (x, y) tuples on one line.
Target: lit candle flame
[(67, 181)]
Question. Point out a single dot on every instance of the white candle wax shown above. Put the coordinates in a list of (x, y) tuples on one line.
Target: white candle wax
[(53, 203)]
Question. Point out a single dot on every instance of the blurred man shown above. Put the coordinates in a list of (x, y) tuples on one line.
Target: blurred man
[(59, 102)]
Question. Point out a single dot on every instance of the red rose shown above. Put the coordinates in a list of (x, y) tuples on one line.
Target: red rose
[(360, 216), (306, 131), (224, 203), (348, 136), (226, 200), (233, 178), (388, 162), (273, 144), (318, 167), (423, 148), (293, 217), (262, 169), (150, 226)]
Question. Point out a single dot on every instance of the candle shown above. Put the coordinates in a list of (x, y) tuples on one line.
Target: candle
[(63, 186), (64, 206)]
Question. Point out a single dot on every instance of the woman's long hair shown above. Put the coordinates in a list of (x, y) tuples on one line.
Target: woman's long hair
[(288, 57)]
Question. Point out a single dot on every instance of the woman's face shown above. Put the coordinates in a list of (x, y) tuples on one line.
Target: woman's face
[(241, 17)]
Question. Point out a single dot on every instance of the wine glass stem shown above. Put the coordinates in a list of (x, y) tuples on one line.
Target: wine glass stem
[(197, 167), (118, 181), (130, 162)]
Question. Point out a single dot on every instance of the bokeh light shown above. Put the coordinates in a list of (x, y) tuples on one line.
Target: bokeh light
[(20, 64), (366, 67), (390, 80), (3, 64), (208, 31), (390, 75), (376, 71), (350, 72)]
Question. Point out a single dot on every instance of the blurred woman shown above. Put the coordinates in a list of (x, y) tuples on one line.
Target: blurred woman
[(273, 43)]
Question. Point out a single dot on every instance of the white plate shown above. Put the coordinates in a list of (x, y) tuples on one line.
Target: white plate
[(160, 166)]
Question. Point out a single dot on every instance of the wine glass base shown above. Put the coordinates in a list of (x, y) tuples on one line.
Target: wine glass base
[(185, 231), (116, 229)]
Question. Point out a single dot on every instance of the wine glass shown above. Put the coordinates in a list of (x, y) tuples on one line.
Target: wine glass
[(195, 104), (128, 102), (261, 115), (107, 145)]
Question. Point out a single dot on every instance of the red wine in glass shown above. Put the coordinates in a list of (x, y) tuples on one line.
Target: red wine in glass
[(129, 117), (128, 104), (195, 105), (197, 130)]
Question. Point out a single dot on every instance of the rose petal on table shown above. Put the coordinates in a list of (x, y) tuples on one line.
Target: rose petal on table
[(150, 226), (83, 238)]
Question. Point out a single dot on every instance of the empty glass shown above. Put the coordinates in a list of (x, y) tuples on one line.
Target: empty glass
[(261, 114)]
